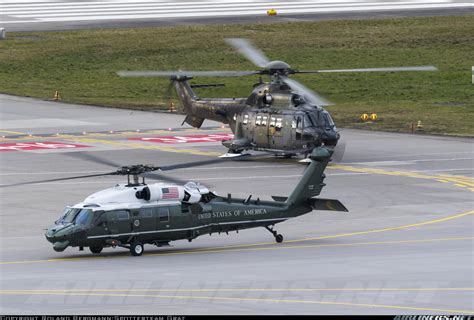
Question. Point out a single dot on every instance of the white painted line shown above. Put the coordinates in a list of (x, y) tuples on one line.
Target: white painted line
[(225, 11), (252, 12), (167, 3), (266, 5)]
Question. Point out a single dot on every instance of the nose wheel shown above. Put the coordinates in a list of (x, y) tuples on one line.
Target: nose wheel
[(278, 237)]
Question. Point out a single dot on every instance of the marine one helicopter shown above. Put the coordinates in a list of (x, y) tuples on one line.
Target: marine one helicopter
[(281, 116), (133, 214)]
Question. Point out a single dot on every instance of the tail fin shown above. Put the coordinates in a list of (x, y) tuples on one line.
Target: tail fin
[(187, 97), (311, 183)]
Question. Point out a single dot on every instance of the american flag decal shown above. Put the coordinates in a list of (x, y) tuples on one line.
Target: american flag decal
[(170, 193)]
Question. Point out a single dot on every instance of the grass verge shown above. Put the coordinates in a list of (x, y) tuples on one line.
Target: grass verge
[(81, 65)]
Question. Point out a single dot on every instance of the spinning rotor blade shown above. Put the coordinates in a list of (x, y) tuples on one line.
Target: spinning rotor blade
[(58, 179), (193, 164), (159, 176), (93, 158), (247, 49), (169, 74), (305, 92), (388, 69), (338, 153)]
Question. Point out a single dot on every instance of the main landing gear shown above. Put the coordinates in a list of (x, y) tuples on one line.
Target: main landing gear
[(136, 248), (278, 237)]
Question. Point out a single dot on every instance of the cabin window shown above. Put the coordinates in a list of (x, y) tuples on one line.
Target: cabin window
[(264, 120), (272, 121), (279, 124), (146, 212), (123, 215), (258, 121), (163, 215), (246, 119)]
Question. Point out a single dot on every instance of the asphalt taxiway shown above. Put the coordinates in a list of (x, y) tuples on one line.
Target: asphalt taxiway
[(405, 247)]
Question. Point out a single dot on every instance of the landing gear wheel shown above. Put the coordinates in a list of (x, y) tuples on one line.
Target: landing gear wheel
[(136, 249), (279, 238), (96, 249)]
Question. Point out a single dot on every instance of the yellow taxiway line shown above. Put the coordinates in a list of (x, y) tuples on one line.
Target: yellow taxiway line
[(246, 248)]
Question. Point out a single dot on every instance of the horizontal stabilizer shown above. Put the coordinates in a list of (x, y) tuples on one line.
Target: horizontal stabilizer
[(279, 199), (327, 204), (194, 121)]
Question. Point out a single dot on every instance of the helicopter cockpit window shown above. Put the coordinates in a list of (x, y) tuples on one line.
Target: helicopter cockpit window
[(307, 121), (297, 122), (67, 215), (246, 119), (258, 121), (328, 119), (84, 217)]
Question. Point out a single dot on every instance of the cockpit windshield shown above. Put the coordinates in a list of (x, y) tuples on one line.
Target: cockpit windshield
[(307, 121), (328, 119), (83, 217), (76, 216)]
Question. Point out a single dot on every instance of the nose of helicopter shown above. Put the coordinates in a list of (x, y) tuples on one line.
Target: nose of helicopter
[(59, 236), (330, 136)]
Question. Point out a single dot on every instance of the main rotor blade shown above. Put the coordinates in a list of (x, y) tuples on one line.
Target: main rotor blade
[(193, 164), (58, 179), (92, 158), (243, 157), (308, 94), (338, 153), (168, 74), (387, 69), (159, 176), (247, 49)]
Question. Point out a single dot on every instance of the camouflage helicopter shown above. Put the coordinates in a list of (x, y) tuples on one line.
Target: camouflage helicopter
[(133, 214), (281, 116)]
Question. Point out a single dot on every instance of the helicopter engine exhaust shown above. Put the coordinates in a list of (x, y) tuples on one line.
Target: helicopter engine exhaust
[(190, 193)]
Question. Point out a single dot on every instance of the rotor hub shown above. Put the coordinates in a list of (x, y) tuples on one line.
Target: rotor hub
[(278, 67), (136, 169)]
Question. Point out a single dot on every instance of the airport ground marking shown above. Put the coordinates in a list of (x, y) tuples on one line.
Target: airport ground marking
[(458, 181), (133, 145), (340, 235), (245, 248), (14, 135), (241, 299), (282, 247)]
